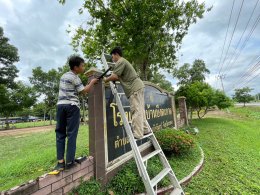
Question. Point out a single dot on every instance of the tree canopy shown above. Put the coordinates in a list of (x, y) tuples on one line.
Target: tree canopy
[(243, 95), (14, 96), (200, 96), (8, 56), (46, 84), (188, 74), (160, 80), (150, 32), (17, 99)]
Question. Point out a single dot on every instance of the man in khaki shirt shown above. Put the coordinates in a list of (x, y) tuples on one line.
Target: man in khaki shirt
[(134, 90)]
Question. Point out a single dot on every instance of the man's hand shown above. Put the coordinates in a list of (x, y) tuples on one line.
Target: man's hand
[(94, 81), (89, 86), (112, 77)]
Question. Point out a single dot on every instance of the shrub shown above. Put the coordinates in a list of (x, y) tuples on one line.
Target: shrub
[(174, 141)]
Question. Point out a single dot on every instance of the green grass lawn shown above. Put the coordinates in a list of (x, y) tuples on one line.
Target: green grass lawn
[(231, 144), (232, 154), (127, 181), (31, 124), (252, 112), (26, 157)]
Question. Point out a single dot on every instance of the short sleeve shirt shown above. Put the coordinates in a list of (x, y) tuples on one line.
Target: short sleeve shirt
[(69, 89), (128, 77)]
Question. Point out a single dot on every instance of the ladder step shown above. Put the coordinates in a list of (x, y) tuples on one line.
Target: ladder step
[(150, 155), (142, 161), (148, 135), (177, 191), (145, 136), (160, 176)]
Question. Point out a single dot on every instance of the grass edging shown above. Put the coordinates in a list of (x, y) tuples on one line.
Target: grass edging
[(184, 181)]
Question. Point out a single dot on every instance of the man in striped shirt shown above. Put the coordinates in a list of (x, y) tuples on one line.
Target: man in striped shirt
[(68, 111)]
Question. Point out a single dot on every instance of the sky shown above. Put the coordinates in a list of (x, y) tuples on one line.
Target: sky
[(38, 30)]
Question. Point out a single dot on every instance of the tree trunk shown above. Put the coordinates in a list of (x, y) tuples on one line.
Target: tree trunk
[(143, 71), (7, 125), (244, 104), (205, 112), (191, 113), (198, 113), (50, 117)]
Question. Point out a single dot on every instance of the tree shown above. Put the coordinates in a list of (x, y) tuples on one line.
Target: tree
[(221, 100), (40, 110), (160, 80), (47, 84), (17, 99), (14, 96), (200, 96), (188, 74), (26, 112), (8, 56), (242, 95), (257, 97), (150, 32)]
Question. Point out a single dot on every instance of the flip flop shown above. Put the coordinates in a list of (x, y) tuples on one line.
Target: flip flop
[(54, 172)]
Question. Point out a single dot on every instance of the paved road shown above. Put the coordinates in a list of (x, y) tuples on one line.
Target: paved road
[(249, 104), (26, 130)]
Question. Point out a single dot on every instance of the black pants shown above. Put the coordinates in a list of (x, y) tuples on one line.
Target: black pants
[(68, 117)]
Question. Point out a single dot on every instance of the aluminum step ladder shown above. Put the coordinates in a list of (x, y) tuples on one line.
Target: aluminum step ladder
[(141, 162)]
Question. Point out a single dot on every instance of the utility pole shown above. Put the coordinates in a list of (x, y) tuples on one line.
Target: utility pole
[(221, 77)]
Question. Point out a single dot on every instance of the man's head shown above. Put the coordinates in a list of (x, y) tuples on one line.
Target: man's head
[(116, 54), (76, 64)]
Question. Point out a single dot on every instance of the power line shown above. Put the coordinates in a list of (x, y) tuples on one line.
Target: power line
[(247, 38), (254, 70), (226, 33), (250, 75), (234, 53), (251, 78), (248, 69), (232, 35)]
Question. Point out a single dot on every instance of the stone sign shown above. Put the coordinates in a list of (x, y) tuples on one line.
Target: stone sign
[(108, 142), (159, 113)]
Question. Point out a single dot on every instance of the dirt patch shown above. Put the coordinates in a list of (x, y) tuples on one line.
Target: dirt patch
[(220, 114), (16, 132)]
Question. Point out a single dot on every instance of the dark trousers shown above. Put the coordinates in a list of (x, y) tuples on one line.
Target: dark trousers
[(67, 126)]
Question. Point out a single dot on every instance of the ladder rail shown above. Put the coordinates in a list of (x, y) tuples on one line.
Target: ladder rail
[(140, 161), (137, 155), (163, 159)]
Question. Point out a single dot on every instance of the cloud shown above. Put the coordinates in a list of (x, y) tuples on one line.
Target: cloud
[(38, 30), (206, 38)]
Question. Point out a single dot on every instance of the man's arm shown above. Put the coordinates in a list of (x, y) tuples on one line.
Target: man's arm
[(89, 86), (112, 77)]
